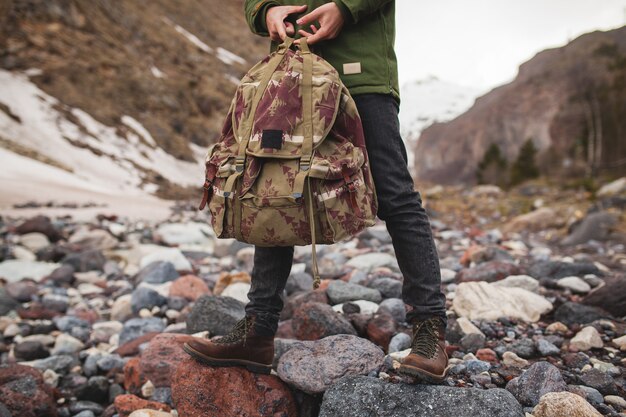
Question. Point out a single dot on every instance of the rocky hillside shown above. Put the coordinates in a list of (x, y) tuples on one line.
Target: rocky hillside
[(120, 95), (569, 101)]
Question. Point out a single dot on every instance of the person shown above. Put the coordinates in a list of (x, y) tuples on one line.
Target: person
[(357, 38)]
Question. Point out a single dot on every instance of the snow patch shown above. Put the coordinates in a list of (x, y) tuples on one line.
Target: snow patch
[(190, 36), (138, 127), (228, 57), (157, 73)]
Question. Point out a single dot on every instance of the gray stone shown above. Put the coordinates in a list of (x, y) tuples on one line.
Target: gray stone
[(144, 297), (574, 313), (340, 292), (557, 269), (61, 364), (312, 321), (546, 348), (314, 366), (595, 226), (89, 260), (216, 314), (369, 261), (399, 342), (332, 264), (476, 366), (395, 306), (388, 287), (599, 380), (67, 323), (592, 395), (472, 342), (158, 272), (524, 348), (137, 327), (363, 396), (539, 379), (298, 282)]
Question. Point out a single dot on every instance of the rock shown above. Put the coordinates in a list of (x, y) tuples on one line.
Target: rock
[(238, 291), (557, 327), (96, 390), (89, 260), (479, 300), (82, 406), (488, 272), (34, 241), (315, 366), (380, 329), (535, 221), (359, 396), (7, 303), (173, 255), (612, 188), (619, 403), (39, 224), (575, 313), (298, 282), (149, 413), (559, 404), (546, 348), (93, 239), (369, 261), (138, 327), (331, 264), (388, 287), (161, 357), (574, 284), (539, 379), (216, 314), (15, 270), (127, 403), (520, 281), (62, 275), (312, 321), (586, 339), (620, 342), (610, 297), (599, 380), (60, 364), (472, 342), (364, 307), (340, 292), (595, 226), (511, 359), (24, 393), (399, 342), (227, 279), (30, 350), (523, 347), (144, 297), (447, 276), (157, 272), (557, 269), (487, 355), (190, 287), (188, 233), (122, 310), (592, 395), (66, 344), (396, 308), (202, 391)]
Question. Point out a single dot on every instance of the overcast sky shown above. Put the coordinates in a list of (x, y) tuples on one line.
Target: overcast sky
[(481, 43)]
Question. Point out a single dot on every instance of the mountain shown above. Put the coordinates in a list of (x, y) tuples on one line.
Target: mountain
[(569, 101), (428, 101), (116, 96)]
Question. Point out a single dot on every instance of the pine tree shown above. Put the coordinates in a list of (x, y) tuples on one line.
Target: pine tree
[(492, 168), (525, 166)]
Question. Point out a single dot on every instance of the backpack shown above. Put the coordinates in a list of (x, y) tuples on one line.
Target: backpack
[(290, 166)]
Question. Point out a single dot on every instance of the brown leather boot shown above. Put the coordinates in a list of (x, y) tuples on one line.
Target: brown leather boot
[(243, 346), (428, 360)]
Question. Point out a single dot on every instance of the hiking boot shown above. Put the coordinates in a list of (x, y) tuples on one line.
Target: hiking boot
[(243, 346), (428, 360)]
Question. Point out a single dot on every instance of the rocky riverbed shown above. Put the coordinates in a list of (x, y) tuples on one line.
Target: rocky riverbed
[(93, 315)]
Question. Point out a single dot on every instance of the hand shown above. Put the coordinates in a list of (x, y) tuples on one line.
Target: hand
[(275, 20), (331, 21)]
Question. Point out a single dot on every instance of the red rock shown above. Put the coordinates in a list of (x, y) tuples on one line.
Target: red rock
[(296, 300), (312, 321), (466, 259), (86, 314), (24, 394), (380, 329), (162, 356), (285, 331), (203, 391), (127, 403), (190, 287), (486, 354), (133, 378), (132, 348), (36, 311)]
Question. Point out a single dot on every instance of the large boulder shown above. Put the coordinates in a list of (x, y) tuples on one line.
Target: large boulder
[(314, 366), (162, 356), (362, 396), (480, 300), (203, 391), (24, 393)]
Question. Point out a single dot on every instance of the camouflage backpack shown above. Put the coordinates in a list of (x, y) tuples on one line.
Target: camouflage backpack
[(290, 167)]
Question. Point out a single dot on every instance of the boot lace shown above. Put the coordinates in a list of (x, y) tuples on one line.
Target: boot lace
[(426, 337), (239, 332)]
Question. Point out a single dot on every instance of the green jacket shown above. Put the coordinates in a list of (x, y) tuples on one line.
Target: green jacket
[(367, 38)]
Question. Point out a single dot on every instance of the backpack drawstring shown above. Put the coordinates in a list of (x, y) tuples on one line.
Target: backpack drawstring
[(314, 269)]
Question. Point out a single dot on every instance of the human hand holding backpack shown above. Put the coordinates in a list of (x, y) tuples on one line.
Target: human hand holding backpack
[(328, 15)]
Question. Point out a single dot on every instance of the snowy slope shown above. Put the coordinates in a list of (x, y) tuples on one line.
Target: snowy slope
[(425, 102), (87, 155)]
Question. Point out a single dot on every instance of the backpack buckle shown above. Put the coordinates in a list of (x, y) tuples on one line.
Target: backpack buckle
[(305, 163), (239, 163)]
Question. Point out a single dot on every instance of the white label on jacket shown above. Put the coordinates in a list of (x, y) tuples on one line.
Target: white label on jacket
[(352, 68)]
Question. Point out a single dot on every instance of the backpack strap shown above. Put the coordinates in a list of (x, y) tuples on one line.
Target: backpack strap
[(314, 268), (306, 152)]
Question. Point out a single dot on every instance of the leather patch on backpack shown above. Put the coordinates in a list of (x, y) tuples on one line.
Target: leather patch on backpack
[(272, 139)]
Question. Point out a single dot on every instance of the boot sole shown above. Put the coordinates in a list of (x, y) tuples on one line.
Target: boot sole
[(257, 368), (423, 376)]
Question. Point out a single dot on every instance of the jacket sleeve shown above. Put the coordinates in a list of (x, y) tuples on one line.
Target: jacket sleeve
[(255, 11), (355, 10)]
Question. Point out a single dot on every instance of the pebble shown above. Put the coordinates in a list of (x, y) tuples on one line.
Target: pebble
[(586, 339), (574, 284)]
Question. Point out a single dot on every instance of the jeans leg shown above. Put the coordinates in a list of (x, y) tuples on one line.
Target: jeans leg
[(400, 206), (271, 269)]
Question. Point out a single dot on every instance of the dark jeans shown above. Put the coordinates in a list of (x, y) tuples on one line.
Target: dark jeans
[(399, 205)]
